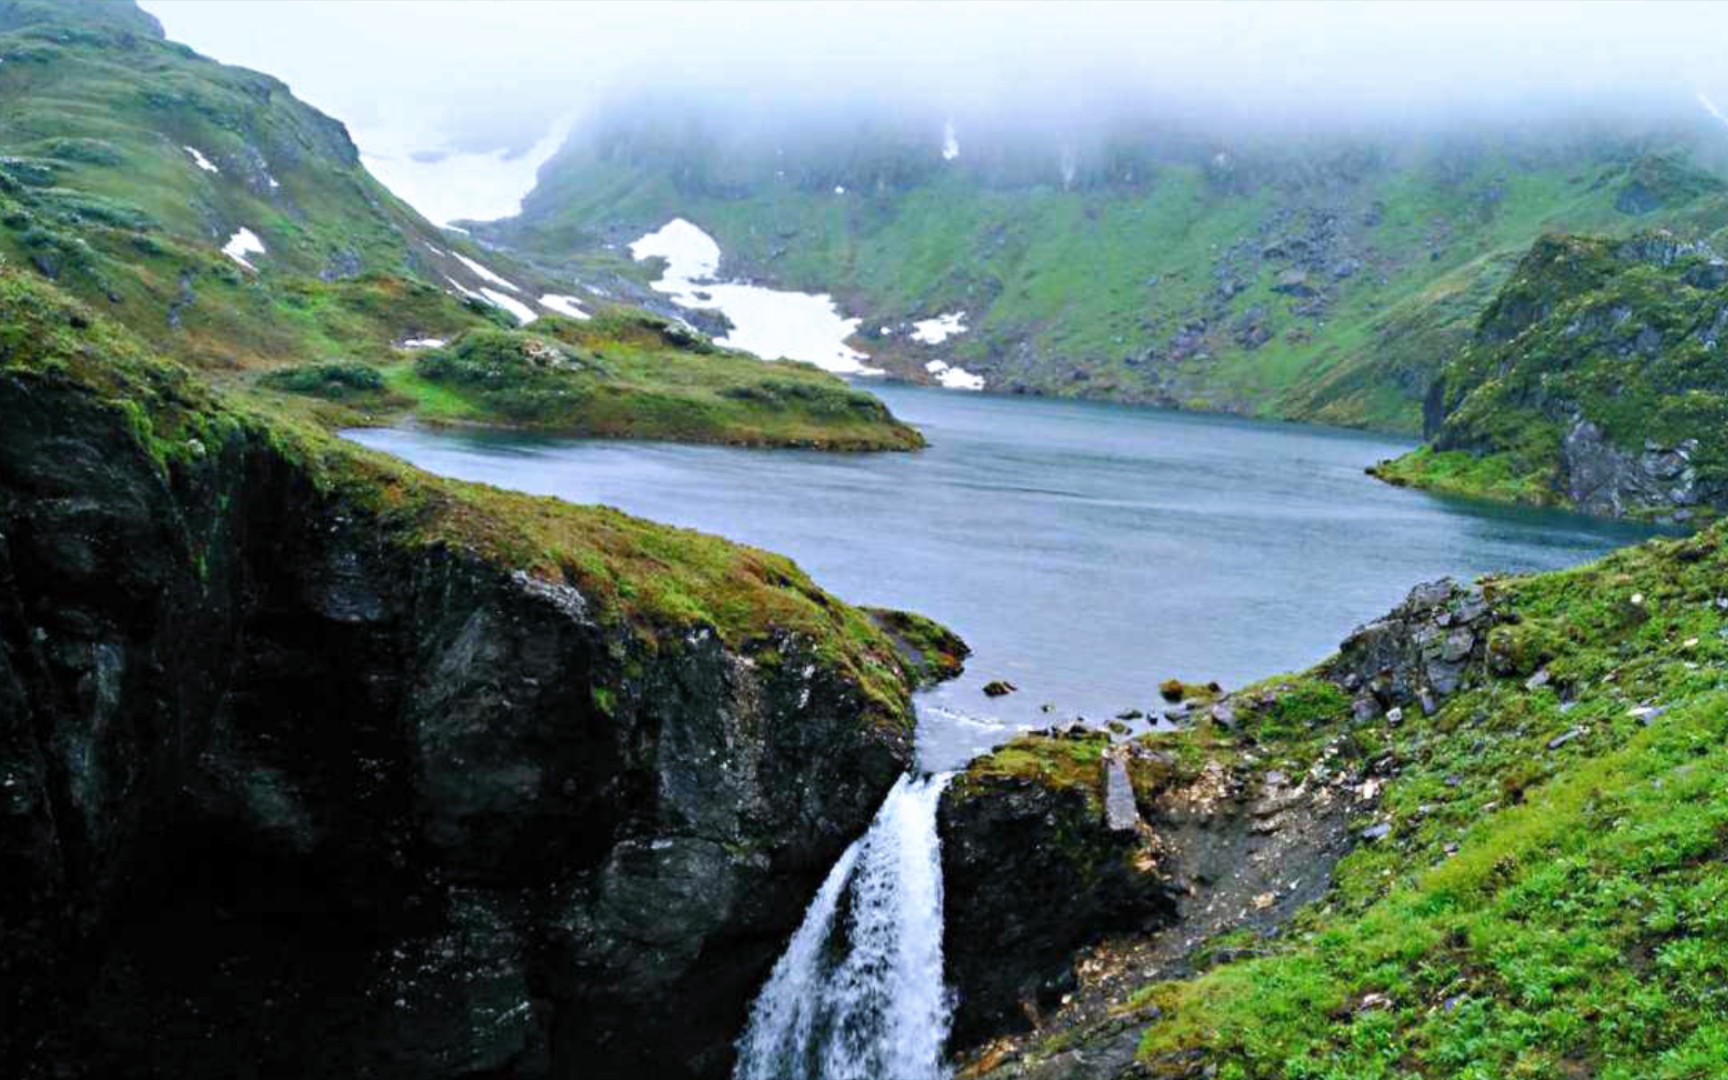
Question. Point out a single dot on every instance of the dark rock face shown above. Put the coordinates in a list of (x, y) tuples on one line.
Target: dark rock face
[(1418, 653), (283, 794), (1032, 873), (1602, 478)]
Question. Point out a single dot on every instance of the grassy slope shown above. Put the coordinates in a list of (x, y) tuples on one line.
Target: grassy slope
[(98, 193), (1544, 906), (1070, 291), (1570, 335)]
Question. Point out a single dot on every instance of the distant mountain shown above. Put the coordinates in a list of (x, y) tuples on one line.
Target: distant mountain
[(1316, 278)]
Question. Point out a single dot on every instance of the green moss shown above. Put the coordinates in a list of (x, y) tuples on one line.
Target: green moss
[(1502, 477), (934, 652), (335, 381), (1070, 762)]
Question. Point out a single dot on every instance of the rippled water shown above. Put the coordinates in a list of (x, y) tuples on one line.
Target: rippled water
[(1085, 551)]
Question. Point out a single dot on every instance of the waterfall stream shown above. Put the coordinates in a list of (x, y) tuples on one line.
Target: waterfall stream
[(858, 993)]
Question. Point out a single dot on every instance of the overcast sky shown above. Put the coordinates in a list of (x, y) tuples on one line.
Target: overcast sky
[(490, 80)]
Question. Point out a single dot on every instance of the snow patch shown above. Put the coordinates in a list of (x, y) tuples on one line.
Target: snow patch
[(202, 162), (767, 322), (483, 273), (563, 305), (939, 329), (243, 243), (839, 189), (691, 255), (954, 378), (524, 314), (950, 142), (423, 343)]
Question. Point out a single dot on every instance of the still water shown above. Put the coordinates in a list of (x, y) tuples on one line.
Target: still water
[(1085, 551)]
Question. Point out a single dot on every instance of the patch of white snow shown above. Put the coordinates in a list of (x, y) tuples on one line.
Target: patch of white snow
[(202, 162), (954, 378), (483, 273), (950, 142), (770, 323), (939, 329), (524, 314), (1710, 107), (563, 305), (241, 244), (691, 255), (423, 343)]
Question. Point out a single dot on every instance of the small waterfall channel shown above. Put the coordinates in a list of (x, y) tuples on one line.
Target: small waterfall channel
[(858, 993)]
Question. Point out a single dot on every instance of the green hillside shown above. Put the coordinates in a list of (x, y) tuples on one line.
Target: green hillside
[(1323, 280), (234, 227)]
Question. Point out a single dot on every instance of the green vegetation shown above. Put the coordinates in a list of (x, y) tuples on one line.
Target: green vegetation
[(934, 651), (625, 374), (1323, 282), (1503, 477), (101, 192), (1619, 335)]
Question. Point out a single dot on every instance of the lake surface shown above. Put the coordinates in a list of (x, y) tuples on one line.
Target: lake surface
[(1085, 551)]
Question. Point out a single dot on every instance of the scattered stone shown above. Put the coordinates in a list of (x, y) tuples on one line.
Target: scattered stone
[(1376, 832), (1565, 737), (1538, 680), (999, 688), (1224, 715), (1644, 714), (1394, 716), (1130, 714), (1120, 813)]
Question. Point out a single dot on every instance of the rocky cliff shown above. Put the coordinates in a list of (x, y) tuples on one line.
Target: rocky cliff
[(314, 765), (1593, 381)]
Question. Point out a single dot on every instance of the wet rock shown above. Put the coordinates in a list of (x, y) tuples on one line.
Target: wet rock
[(999, 688), (1419, 653)]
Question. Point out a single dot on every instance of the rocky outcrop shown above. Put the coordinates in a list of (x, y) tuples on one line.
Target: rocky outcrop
[(1033, 870), (1419, 653), (295, 780), (1602, 478)]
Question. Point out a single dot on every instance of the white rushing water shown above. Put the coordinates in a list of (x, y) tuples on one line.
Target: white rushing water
[(858, 993)]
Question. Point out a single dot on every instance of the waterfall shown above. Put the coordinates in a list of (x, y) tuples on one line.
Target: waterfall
[(858, 993)]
